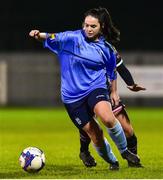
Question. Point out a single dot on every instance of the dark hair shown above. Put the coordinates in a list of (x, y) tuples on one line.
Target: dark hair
[(109, 31)]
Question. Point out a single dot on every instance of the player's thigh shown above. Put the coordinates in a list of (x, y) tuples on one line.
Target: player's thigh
[(99, 103)]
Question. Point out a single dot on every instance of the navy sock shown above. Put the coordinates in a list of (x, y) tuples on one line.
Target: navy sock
[(132, 144), (84, 141)]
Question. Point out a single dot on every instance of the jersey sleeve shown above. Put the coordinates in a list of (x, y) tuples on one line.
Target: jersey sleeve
[(111, 67), (113, 75), (119, 59), (111, 61), (57, 41)]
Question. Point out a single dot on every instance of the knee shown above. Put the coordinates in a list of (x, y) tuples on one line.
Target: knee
[(108, 120)]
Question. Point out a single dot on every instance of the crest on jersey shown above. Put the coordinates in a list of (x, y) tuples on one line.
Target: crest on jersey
[(52, 36)]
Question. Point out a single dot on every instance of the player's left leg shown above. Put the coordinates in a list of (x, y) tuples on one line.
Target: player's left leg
[(122, 116), (103, 110)]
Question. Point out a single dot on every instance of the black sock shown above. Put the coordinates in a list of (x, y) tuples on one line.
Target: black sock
[(132, 144), (84, 141)]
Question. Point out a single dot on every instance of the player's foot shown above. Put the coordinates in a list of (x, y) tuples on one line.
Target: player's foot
[(130, 157), (114, 166), (138, 165), (87, 159)]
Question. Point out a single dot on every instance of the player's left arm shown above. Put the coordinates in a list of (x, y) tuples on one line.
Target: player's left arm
[(114, 96), (126, 76)]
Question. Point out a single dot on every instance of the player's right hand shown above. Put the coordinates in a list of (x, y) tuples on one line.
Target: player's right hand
[(35, 34)]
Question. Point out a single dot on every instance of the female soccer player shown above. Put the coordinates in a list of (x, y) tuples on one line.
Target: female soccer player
[(86, 62), (122, 116)]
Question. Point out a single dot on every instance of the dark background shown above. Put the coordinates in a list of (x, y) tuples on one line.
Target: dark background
[(140, 22)]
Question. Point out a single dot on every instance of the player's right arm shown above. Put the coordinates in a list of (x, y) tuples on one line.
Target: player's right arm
[(40, 36), (55, 42)]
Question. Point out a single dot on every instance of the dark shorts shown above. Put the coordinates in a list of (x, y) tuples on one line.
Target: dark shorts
[(81, 112)]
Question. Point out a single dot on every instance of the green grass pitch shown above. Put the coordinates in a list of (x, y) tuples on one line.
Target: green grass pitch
[(52, 131)]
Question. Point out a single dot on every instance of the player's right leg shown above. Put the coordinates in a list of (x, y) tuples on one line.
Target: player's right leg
[(85, 155)]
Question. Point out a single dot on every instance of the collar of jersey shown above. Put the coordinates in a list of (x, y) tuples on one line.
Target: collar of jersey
[(100, 41)]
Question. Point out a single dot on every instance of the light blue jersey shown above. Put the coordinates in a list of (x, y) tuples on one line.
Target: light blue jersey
[(84, 64)]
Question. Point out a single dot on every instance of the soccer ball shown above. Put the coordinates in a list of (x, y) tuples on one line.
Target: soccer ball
[(32, 159)]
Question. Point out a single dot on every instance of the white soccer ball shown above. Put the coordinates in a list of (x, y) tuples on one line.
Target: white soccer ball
[(32, 159)]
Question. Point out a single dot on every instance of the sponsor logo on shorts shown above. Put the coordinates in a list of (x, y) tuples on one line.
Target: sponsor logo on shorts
[(78, 120), (99, 96)]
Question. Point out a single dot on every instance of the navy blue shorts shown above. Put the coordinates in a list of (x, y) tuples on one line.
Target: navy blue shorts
[(81, 112)]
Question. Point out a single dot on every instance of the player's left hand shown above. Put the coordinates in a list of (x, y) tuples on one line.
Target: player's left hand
[(114, 98), (136, 88)]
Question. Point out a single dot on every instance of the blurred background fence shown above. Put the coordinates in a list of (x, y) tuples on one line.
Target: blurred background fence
[(33, 79)]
